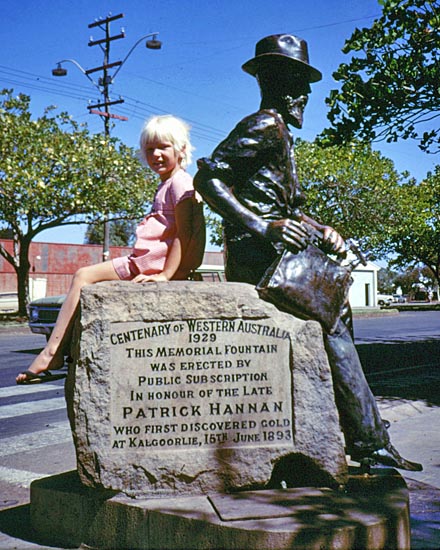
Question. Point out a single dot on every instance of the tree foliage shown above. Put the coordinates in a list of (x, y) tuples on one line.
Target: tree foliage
[(348, 187), (390, 88), (412, 280), (358, 191), (414, 235), (53, 172), (386, 281), (214, 224)]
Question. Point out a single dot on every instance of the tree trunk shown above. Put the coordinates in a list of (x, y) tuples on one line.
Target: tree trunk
[(22, 271)]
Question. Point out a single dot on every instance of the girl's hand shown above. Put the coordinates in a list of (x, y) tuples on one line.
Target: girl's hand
[(156, 278), (332, 241)]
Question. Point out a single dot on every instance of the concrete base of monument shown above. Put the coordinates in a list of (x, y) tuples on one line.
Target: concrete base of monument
[(371, 512)]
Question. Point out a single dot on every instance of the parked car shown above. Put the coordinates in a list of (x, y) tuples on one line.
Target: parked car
[(384, 299), (8, 301), (43, 312), (399, 298)]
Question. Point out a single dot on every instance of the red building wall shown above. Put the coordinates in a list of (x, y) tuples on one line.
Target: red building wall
[(58, 262), (54, 262)]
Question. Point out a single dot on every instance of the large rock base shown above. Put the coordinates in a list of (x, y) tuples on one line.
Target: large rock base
[(189, 388), (371, 513)]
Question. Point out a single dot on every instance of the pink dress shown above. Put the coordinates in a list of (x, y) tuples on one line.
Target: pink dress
[(155, 234)]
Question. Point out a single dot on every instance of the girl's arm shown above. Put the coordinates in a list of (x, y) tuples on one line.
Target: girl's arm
[(178, 247)]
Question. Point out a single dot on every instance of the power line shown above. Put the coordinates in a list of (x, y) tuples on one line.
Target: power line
[(199, 124), (195, 130), (41, 88), (182, 91), (74, 91), (25, 75)]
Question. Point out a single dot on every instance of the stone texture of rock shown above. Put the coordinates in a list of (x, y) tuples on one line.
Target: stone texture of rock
[(187, 388)]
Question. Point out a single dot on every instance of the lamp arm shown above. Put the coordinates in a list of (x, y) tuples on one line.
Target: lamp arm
[(78, 66), (133, 47)]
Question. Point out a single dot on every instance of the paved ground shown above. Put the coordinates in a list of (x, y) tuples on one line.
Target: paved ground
[(415, 433)]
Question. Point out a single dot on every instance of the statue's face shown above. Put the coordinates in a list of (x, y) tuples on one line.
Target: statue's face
[(294, 97), (293, 109), (285, 88)]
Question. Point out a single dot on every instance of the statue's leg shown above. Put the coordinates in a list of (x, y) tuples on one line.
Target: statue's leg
[(366, 436), (360, 419)]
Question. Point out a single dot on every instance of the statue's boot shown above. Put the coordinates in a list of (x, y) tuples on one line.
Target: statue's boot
[(387, 456)]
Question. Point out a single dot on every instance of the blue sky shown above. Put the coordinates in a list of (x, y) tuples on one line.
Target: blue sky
[(196, 75)]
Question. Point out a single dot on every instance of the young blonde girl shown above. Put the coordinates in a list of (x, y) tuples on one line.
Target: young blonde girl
[(169, 241)]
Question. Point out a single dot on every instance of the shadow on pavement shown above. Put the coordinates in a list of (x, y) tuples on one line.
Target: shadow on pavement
[(28, 351), (408, 370), (424, 507)]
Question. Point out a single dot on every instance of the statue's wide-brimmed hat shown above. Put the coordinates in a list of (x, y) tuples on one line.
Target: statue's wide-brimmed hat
[(283, 46)]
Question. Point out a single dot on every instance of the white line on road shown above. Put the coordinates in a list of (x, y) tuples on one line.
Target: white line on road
[(32, 407), (19, 477), (12, 391), (57, 433)]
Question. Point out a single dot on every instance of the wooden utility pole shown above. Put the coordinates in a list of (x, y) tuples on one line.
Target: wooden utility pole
[(104, 81)]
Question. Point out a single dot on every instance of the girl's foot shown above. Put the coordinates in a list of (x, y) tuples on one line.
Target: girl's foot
[(43, 362), (28, 377)]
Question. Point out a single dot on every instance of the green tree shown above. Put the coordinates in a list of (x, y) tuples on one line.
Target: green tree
[(411, 279), (359, 192), (122, 233), (390, 88), (414, 234), (53, 173), (214, 223), (349, 187), (6, 233), (386, 280)]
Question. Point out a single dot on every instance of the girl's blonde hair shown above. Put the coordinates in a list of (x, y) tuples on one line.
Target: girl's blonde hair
[(168, 128)]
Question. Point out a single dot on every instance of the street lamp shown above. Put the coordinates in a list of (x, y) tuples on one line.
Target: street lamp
[(59, 71), (105, 81), (152, 44)]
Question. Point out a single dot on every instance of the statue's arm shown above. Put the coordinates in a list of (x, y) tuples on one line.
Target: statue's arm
[(219, 197)]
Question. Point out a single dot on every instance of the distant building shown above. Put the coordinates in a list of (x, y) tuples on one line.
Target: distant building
[(363, 291)]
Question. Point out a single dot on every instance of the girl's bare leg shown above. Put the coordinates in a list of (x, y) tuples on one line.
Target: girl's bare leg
[(51, 357)]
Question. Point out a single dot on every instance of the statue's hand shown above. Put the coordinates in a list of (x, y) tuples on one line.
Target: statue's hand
[(291, 233), (332, 242)]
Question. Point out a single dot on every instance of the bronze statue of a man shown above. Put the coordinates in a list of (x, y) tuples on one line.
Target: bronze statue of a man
[(251, 181)]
